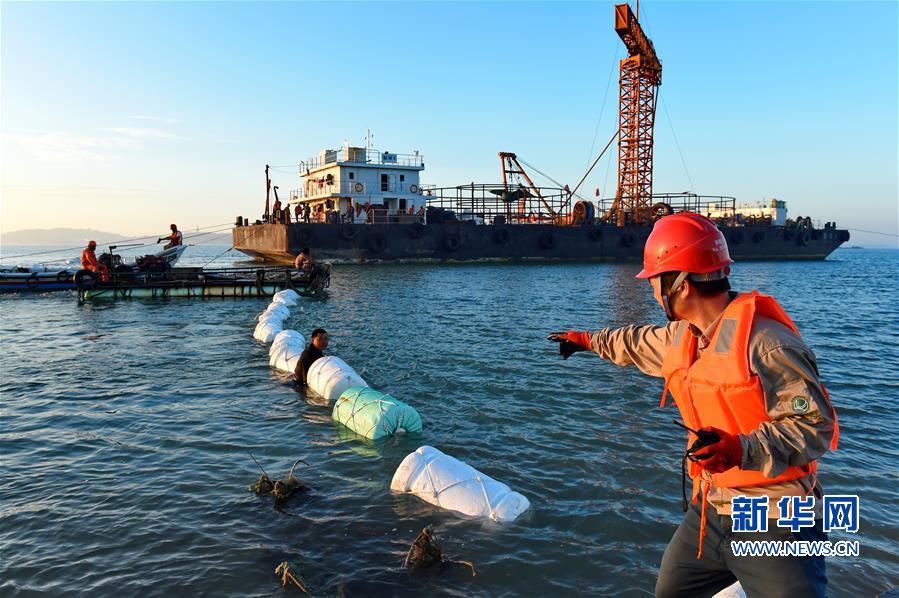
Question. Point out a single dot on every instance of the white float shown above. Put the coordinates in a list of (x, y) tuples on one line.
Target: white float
[(287, 297), (373, 414), (330, 376), (286, 336), (732, 591), (267, 329), (276, 311), (286, 350), (450, 484)]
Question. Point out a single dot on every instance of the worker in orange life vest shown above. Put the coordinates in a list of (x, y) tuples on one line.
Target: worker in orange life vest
[(175, 239), (89, 261), (736, 367)]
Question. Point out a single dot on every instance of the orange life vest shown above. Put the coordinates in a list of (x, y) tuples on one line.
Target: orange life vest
[(719, 390), (89, 260)]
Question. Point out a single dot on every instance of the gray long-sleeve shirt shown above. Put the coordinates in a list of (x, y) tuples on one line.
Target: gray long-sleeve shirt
[(802, 420)]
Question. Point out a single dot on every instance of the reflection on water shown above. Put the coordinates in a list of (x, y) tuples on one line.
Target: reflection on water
[(126, 425)]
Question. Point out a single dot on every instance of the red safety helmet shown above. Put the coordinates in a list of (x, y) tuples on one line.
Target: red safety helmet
[(684, 242)]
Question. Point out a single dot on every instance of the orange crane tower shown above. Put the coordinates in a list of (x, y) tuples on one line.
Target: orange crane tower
[(639, 80)]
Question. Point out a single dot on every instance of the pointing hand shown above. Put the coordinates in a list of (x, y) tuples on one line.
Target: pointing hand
[(570, 342)]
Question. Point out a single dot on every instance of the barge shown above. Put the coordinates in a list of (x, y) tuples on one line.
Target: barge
[(357, 204), (355, 208)]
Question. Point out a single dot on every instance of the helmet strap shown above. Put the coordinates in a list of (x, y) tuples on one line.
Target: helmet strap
[(666, 297)]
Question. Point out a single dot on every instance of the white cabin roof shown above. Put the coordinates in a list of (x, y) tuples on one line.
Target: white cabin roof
[(360, 157)]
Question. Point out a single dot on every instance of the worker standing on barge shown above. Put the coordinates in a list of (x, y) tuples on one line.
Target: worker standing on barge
[(737, 368)]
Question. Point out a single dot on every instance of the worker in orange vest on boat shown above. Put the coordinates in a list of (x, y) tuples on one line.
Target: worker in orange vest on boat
[(89, 261), (747, 387), (276, 211), (175, 239)]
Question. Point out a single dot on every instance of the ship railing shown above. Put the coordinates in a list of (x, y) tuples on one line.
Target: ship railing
[(373, 215), (353, 188), (495, 203), (720, 208), (359, 155)]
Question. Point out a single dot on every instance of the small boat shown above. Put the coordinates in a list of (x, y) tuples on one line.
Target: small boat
[(202, 282), (40, 277), (36, 278)]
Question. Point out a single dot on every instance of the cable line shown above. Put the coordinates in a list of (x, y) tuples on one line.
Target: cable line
[(873, 232), (120, 241), (602, 108), (676, 143)]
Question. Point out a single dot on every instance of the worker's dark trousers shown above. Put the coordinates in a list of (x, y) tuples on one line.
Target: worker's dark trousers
[(682, 574)]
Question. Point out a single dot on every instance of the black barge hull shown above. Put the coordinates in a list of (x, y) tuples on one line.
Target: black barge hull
[(360, 243)]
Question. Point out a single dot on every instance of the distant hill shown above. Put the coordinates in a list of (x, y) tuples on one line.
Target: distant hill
[(80, 236), (57, 236)]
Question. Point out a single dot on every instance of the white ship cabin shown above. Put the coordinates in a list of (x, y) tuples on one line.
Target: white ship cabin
[(775, 212), (361, 185)]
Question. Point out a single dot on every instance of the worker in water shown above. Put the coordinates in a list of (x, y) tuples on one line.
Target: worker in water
[(741, 376), (90, 262), (312, 353), (304, 260), (174, 239)]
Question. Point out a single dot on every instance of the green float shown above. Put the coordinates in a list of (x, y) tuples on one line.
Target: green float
[(373, 414)]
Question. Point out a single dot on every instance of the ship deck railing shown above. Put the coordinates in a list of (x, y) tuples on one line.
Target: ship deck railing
[(355, 155), (357, 190), (195, 276), (496, 203)]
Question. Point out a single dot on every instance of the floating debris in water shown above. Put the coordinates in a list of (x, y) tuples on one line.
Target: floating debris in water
[(263, 486), (290, 573), (426, 554), (281, 490)]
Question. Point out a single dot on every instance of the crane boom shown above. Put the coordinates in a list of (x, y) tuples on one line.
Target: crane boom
[(639, 80), (636, 42)]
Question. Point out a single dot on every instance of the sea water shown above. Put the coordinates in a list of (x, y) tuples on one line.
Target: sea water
[(126, 426)]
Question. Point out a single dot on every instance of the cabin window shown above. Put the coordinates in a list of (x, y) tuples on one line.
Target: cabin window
[(403, 203), (385, 182), (402, 178), (352, 176)]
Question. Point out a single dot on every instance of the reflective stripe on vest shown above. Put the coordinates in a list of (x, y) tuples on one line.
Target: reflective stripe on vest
[(719, 390)]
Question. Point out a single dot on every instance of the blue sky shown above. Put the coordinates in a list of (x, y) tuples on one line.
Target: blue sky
[(128, 116)]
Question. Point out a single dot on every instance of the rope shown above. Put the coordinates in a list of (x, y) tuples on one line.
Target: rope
[(256, 232), (595, 162), (68, 249), (477, 478), (873, 232), (605, 96), (212, 232), (702, 519), (547, 177), (379, 403), (676, 142)]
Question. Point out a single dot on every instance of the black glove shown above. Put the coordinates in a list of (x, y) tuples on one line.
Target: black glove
[(570, 342)]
